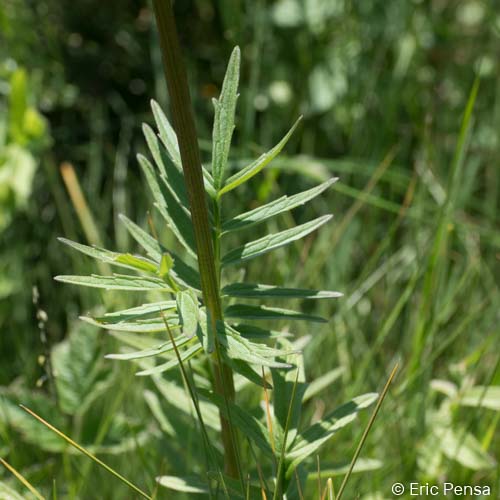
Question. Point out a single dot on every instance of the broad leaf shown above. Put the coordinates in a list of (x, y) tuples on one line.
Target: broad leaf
[(258, 291), (272, 241), (481, 396), (78, 372), (225, 109), (460, 445), (30, 430), (117, 282), (254, 168), (274, 208), (245, 311)]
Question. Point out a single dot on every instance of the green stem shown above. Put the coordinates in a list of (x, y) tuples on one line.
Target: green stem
[(184, 125)]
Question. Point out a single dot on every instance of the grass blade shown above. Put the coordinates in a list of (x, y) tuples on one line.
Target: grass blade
[(366, 431), (81, 449), (22, 479)]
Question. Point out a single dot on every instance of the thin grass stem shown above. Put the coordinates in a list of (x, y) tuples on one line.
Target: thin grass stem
[(87, 453), (367, 430), (22, 479)]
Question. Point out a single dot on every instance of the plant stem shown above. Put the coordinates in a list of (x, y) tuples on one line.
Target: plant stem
[(184, 125)]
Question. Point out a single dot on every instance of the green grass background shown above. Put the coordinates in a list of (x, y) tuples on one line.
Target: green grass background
[(401, 100)]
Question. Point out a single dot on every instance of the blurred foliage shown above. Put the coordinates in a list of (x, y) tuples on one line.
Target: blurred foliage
[(375, 80)]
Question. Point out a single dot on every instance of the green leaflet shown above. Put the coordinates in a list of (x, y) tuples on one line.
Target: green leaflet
[(253, 332), (308, 442), (124, 260), (208, 181), (274, 208), (245, 311), (150, 325), (169, 140), (184, 484), (150, 245), (188, 310), (136, 262), (272, 241), (135, 340), (245, 370), (173, 178), (184, 355), (225, 109), (158, 350), (117, 282), (237, 347), (166, 264), (140, 311), (167, 135), (254, 168), (176, 216), (185, 273), (257, 291)]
